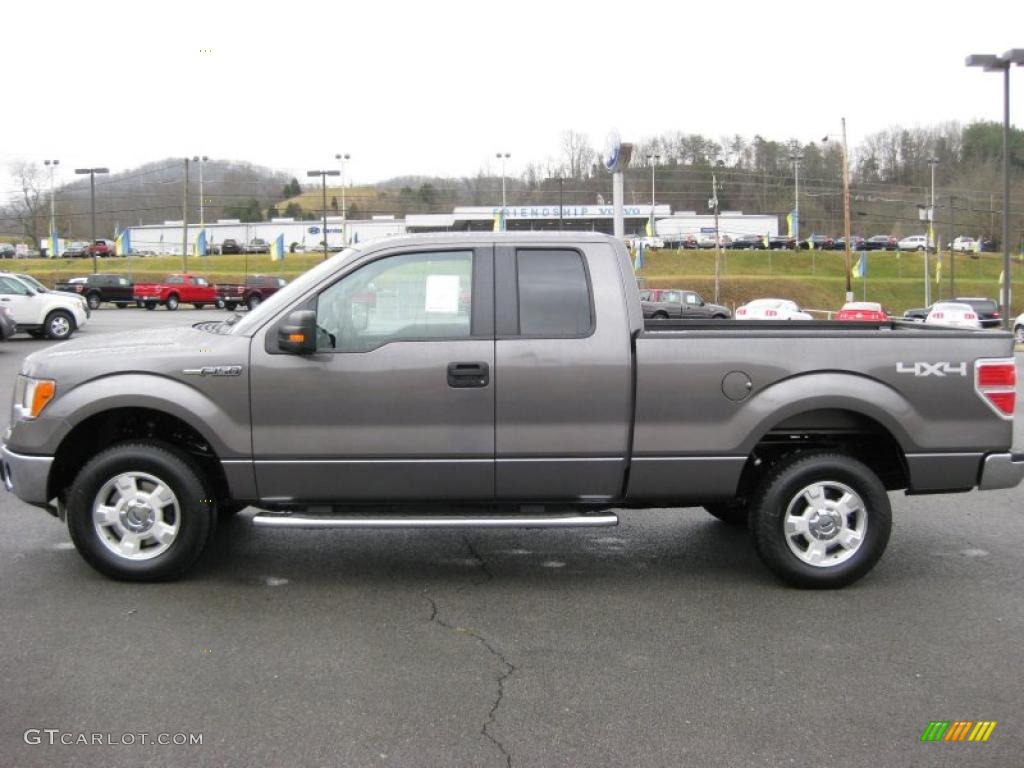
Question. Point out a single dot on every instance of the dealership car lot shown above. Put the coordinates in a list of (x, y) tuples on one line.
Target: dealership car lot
[(661, 642)]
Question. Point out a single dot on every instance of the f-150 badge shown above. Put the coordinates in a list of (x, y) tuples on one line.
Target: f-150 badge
[(214, 370), (933, 369)]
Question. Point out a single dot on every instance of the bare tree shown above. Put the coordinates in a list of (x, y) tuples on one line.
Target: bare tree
[(577, 153), (28, 209)]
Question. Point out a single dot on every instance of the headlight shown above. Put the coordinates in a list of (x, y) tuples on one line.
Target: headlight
[(32, 395)]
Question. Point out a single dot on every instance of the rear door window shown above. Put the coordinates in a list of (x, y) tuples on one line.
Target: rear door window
[(554, 294)]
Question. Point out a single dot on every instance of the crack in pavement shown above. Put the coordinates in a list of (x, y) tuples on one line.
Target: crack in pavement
[(508, 670), (488, 576)]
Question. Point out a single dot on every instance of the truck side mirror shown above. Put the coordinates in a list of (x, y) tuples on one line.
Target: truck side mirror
[(297, 334)]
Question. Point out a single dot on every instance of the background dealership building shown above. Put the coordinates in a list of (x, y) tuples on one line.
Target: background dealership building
[(166, 238)]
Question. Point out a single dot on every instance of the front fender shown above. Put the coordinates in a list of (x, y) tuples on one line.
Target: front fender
[(222, 421)]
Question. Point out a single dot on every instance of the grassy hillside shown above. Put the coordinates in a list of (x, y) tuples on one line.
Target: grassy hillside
[(814, 281)]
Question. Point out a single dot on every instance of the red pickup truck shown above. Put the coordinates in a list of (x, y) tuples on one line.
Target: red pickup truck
[(175, 290)]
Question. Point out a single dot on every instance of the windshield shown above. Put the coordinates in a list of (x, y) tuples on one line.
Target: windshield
[(256, 317)]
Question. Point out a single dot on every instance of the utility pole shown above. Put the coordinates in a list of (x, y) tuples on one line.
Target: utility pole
[(184, 221), (92, 201), (561, 181), (796, 157), (952, 253), (713, 203), (929, 240), (846, 214), (201, 160), (654, 164), (503, 156)]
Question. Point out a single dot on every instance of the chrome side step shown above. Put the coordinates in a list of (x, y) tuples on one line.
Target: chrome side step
[(496, 521)]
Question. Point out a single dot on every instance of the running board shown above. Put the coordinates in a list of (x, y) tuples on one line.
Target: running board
[(497, 521)]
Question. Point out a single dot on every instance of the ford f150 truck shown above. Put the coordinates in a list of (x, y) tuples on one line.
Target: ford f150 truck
[(176, 290), (436, 376)]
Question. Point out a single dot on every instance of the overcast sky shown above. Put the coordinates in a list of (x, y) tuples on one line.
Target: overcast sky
[(438, 87)]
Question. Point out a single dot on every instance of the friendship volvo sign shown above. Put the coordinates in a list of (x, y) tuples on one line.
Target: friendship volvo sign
[(567, 211)]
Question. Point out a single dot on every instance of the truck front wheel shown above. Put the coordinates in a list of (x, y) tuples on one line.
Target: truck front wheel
[(820, 519), (140, 511), (172, 302)]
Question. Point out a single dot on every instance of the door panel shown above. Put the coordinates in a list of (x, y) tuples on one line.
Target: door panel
[(382, 422), (563, 405)]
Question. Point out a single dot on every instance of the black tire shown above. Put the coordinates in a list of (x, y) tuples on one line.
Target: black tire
[(150, 305), (219, 303), (198, 306), (93, 300), (230, 306), (783, 486), (59, 325), (172, 302), (253, 302), (734, 512), (719, 317), (172, 468), (659, 316)]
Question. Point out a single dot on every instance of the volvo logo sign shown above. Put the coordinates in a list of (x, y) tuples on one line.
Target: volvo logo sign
[(616, 153)]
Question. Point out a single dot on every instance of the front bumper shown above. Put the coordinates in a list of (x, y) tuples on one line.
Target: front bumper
[(1001, 470), (25, 476)]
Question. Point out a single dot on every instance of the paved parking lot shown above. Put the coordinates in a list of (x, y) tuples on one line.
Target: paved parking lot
[(660, 642)]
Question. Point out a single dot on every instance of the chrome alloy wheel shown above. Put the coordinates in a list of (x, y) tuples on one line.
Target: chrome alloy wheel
[(136, 516), (60, 326), (825, 523)]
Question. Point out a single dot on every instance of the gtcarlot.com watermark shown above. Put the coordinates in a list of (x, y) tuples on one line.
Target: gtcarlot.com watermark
[(55, 736)]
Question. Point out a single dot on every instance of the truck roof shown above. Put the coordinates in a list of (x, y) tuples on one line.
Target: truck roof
[(489, 238)]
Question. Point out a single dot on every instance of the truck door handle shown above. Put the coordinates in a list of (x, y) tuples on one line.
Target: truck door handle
[(462, 375)]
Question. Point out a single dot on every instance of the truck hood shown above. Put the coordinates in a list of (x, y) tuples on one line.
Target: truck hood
[(161, 351)]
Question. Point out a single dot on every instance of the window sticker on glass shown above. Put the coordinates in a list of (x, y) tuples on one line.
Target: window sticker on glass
[(442, 294)]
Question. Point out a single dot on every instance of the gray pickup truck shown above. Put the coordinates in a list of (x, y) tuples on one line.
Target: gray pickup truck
[(503, 380)]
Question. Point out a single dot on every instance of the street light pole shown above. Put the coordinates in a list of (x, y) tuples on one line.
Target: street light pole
[(503, 156), (654, 164), (341, 157), (846, 214), (323, 174), (991, 63), (92, 201), (52, 165)]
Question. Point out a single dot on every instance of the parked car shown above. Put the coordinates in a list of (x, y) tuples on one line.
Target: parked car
[(667, 303), (679, 241), (918, 314), (965, 245), (176, 290), (747, 243), (954, 314), (252, 293), (51, 314), (913, 243), (257, 245), (545, 401), (7, 325), (862, 310), (1018, 329), (771, 309), (782, 243), (7, 251), (856, 243), (76, 249), (880, 243), (101, 248), (230, 246), (821, 243), (986, 309), (96, 289)]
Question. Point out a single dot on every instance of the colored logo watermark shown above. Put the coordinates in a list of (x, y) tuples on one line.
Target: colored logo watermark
[(958, 730)]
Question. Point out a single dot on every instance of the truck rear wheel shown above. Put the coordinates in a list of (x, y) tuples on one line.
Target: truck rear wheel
[(140, 511), (820, 520), (172, 302), (93, 300)]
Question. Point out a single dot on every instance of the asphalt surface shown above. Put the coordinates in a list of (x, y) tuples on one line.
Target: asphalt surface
[(662, 642)]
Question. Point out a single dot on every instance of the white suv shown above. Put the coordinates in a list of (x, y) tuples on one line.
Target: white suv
[(913, 243), (51, 315)]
